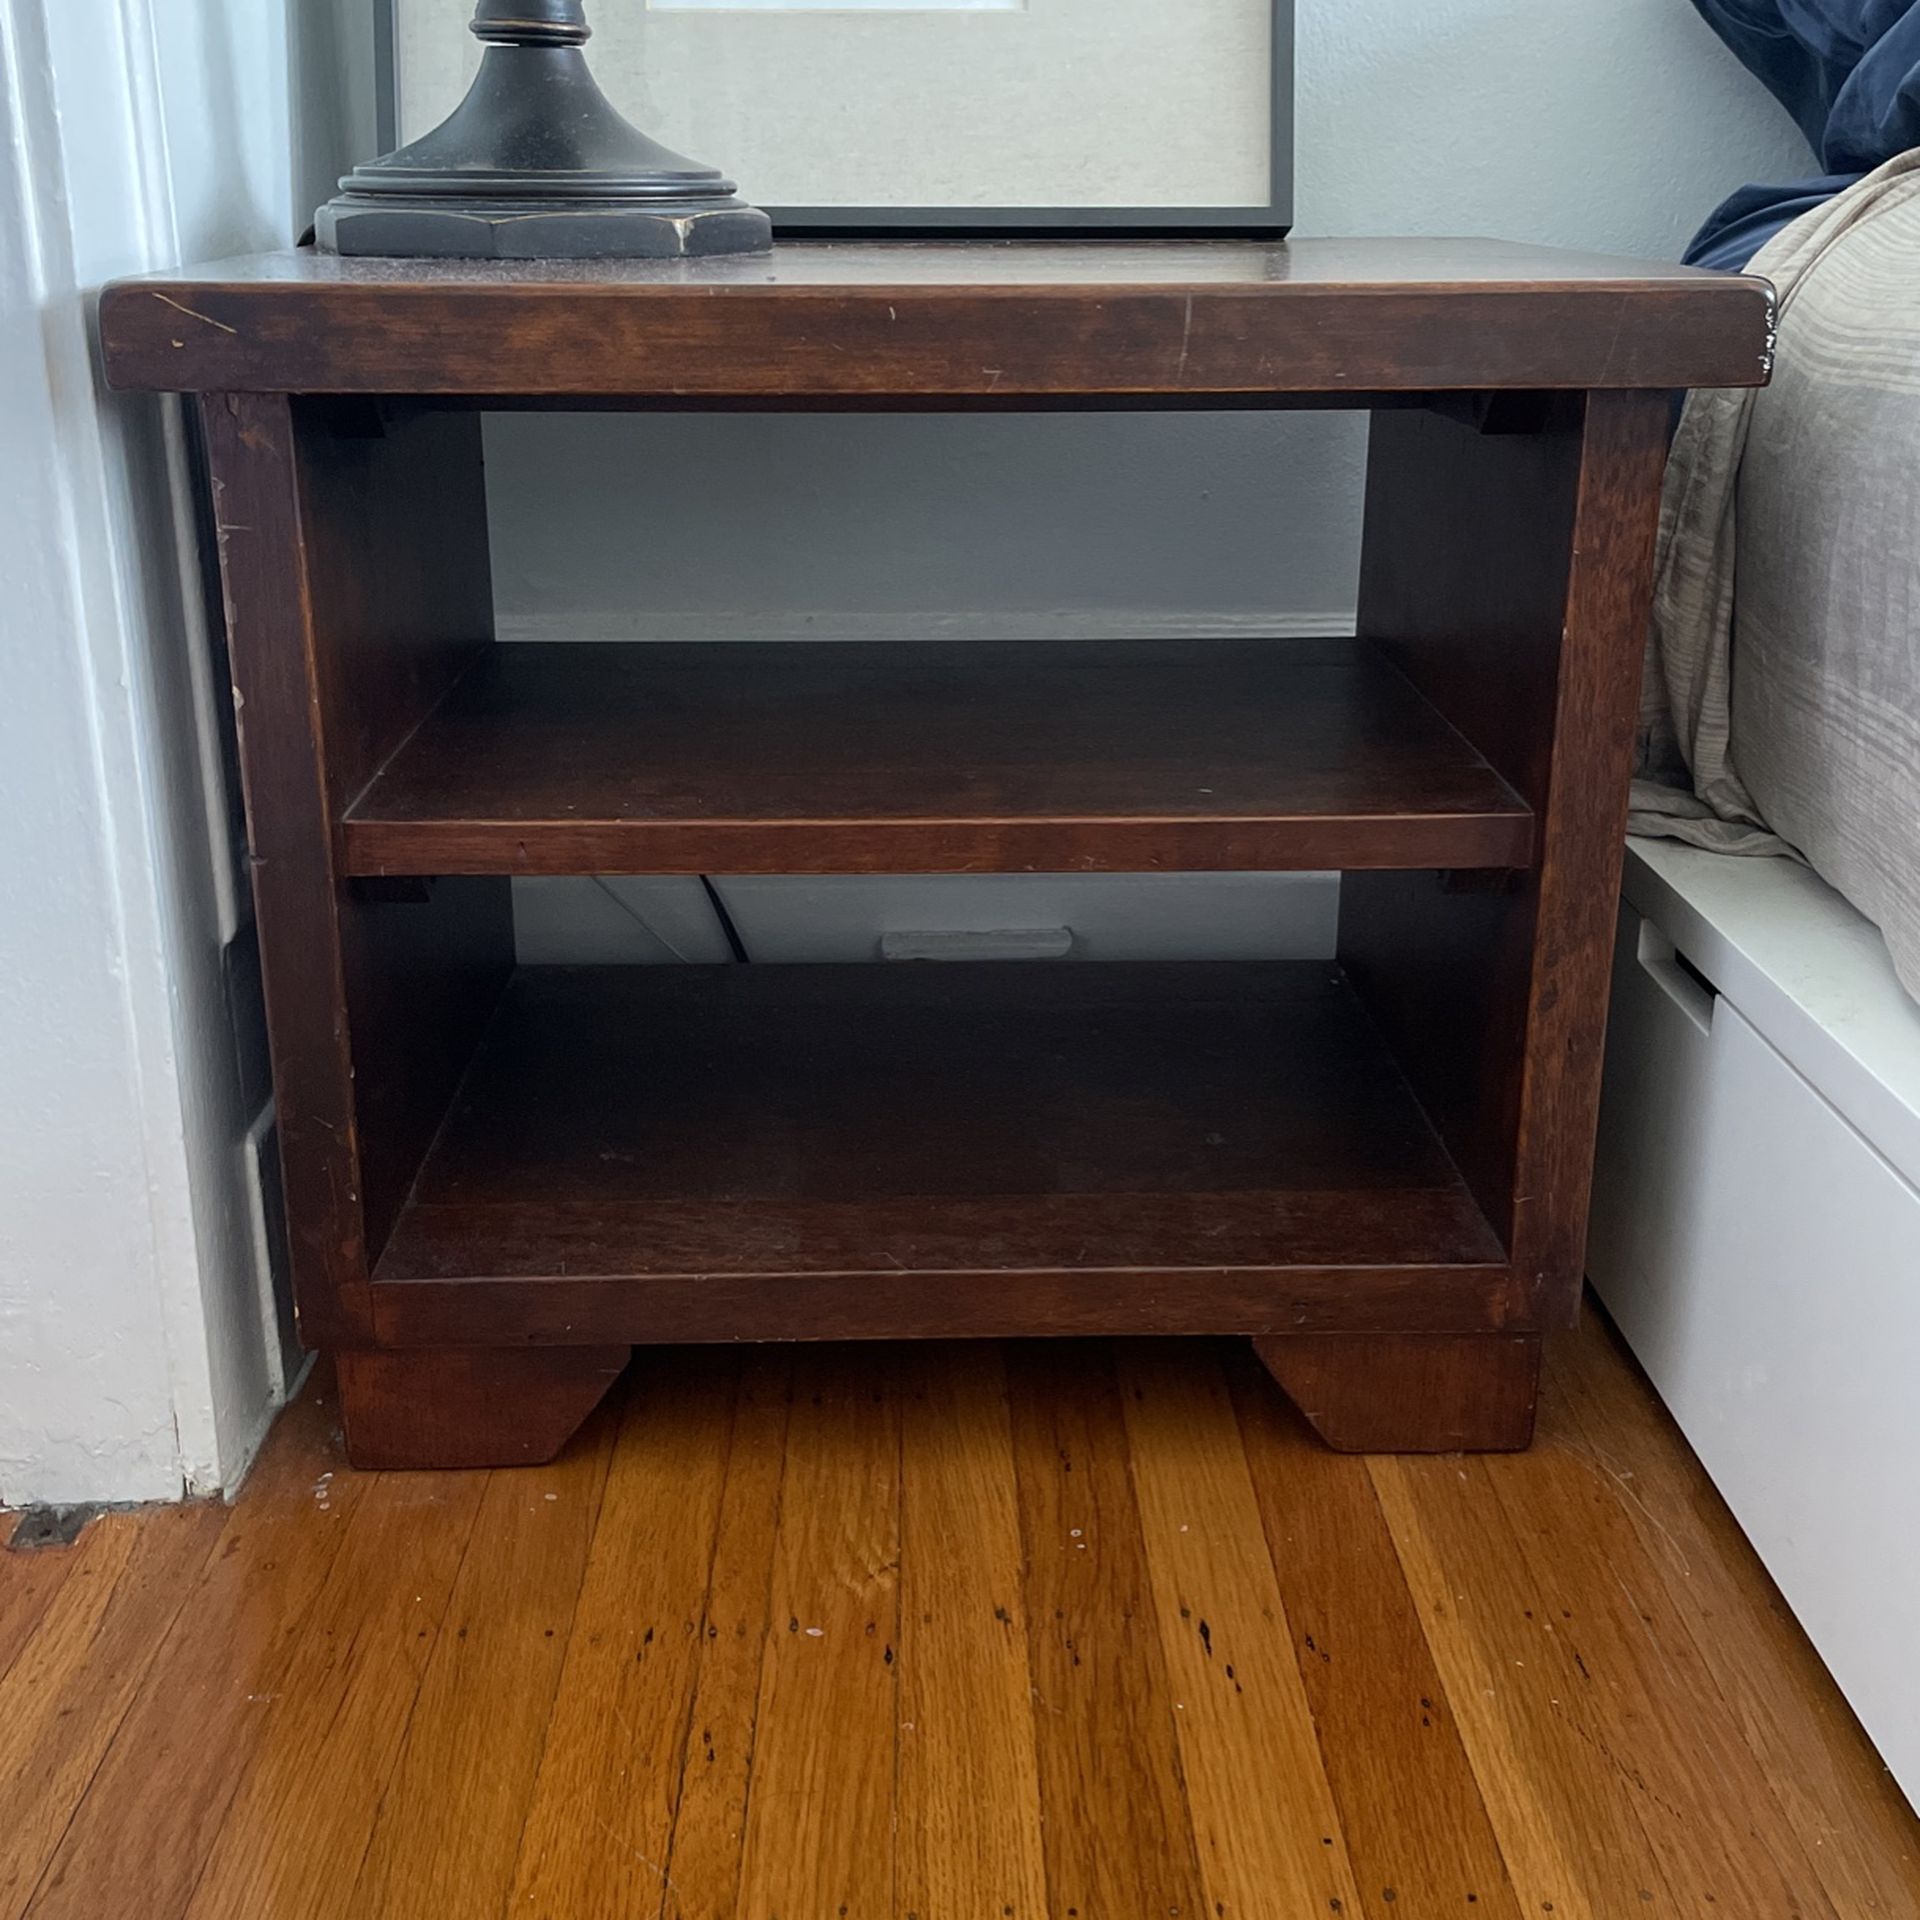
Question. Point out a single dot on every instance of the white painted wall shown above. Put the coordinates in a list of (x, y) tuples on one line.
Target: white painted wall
[(142, 1350), (1614, 126)]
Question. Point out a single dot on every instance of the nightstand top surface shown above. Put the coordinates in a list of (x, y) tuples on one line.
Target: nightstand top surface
[(963, 322)]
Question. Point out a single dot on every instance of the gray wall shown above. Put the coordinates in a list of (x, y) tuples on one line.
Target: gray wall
[(333, 101)]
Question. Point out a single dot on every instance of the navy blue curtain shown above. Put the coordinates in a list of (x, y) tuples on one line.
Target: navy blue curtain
[(1848, 71)]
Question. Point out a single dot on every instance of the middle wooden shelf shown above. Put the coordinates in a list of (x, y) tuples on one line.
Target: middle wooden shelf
[(933, 757)]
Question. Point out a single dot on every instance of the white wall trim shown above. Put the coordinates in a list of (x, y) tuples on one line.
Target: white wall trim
[(1071, 623), (134, 1362), (145, 603), (71, 598)]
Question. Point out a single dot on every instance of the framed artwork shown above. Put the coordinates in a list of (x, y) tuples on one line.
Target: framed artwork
[(935, 118)]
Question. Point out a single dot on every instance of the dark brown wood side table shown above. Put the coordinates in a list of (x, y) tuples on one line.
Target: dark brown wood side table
[(501, 1178)]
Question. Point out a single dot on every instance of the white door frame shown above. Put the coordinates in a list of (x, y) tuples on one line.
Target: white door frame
[(141, 1350)]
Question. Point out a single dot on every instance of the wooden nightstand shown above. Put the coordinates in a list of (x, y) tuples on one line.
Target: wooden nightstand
[(499, 1179)]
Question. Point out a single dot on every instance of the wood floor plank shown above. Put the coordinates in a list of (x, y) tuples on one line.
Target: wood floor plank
[(1707, 1802), (1417, 1831), (820, 1812), (601, 1823), (969, 1793), (297, 1831), (1863, 1841), (710, 1820), (29, 1579), (1566, 1664), (73, 1681), (449, 1826), (1560, 1798), (1118, 1840), (141, 1838), (1265, 1826), (1575, 1630)]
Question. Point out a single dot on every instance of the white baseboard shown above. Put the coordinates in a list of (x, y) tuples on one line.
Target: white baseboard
[(1072, 623)]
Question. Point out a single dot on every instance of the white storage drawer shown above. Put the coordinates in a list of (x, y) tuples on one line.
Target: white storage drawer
[(1762, 1257)]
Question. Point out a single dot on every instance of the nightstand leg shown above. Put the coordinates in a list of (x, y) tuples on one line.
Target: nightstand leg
[(1411, 1392), (470, 1406)]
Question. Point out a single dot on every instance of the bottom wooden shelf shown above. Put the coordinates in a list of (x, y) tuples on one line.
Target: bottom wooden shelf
[(674, 1153)]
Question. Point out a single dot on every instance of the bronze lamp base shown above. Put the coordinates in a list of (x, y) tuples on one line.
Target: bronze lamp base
[(537, 164)]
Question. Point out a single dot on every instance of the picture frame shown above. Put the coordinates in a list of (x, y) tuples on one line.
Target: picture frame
[(1262, 210)]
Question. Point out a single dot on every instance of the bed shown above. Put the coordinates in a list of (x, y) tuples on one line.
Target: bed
[(1782, 710)]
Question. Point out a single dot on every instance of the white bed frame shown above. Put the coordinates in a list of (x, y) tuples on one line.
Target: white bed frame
[(1756, 1235)]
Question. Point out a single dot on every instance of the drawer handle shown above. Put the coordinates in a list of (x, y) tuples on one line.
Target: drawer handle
[(1677, 977)]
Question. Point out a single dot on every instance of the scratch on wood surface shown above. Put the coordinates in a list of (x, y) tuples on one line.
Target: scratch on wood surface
[(206, 319), (1623, 1483), (1607, 358), (666, 1879)]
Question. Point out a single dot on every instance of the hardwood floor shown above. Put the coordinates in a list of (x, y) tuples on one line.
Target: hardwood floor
[(1073, 1632)]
